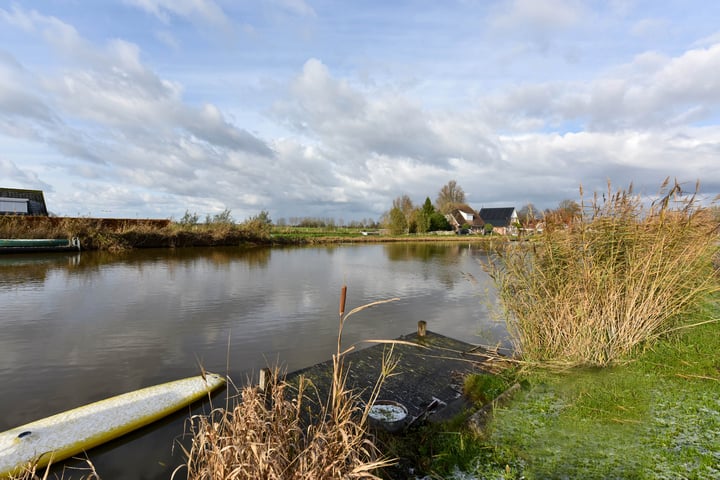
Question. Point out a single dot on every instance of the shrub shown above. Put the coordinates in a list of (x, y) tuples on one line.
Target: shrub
[(592, 289)]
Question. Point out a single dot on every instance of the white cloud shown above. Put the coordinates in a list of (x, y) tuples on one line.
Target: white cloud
[(709, 40), (21, 178), (206, 10), (168, 39), (287, 124), (299, 7), (542, 16), (649, 27)]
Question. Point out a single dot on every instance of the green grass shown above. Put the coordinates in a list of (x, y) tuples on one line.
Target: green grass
[(483, 388), (657, 416), (315, 232)]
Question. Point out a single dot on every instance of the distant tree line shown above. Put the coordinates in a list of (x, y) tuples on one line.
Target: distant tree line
[(329, 223), (223, 218), (405, 217), (565, 212)]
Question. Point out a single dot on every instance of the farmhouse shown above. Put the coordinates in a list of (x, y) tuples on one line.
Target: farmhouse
[(503, 220), (465, 217), (16, 201)]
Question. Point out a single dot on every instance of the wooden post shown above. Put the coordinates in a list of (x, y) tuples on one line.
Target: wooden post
[(265, 379), (422, 328)]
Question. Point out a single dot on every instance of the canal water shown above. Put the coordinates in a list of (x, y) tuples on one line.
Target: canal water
[(76, 328)]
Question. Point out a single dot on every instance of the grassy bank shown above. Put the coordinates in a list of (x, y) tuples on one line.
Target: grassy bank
[(657, 416)]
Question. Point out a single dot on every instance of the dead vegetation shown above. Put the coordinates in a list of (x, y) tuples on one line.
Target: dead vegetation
[(116, 235), (288, 431), (589, 291)]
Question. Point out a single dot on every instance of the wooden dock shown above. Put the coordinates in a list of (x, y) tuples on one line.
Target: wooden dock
[(429, 373)]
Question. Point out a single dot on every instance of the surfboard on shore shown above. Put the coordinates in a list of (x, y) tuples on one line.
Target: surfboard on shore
[(69, 433)]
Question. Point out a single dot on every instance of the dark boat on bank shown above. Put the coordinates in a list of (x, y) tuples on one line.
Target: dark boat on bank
[(30, 245)]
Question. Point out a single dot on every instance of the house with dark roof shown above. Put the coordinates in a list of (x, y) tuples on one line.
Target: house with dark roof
[(17, 201), (464, 216), (504, 220)]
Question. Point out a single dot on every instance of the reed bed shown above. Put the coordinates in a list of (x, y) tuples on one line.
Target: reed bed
[(116, 235), (589, 292), (288, 431)]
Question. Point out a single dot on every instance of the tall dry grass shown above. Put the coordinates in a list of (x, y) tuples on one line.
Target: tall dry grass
[(288, 431), (32, 472), (116, 235), (619, 274)]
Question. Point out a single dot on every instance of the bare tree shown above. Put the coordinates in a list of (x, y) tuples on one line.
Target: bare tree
[(404, 204), (528, 214), (566, 211), (450, 195)]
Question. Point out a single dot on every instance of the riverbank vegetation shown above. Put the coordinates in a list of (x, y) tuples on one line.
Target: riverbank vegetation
[(122, 234), (288, 431), (116, 235), (655, 416), (617, 275), (616, 318)]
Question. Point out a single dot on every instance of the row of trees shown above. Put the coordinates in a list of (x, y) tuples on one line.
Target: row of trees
[(404, 216), (565, 212), (330, 223), (223, 218)]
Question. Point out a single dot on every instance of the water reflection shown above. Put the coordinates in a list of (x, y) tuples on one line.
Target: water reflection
[(79, 329), (32, 269), (447, 254)]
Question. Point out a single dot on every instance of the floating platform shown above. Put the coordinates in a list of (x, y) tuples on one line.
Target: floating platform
[(428, 376)]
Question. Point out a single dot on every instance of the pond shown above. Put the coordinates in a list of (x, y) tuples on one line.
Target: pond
[(76, 328)]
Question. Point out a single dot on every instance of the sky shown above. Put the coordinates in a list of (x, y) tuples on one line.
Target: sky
[(333, 108)]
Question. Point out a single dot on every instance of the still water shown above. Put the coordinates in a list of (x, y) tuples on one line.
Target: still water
[(76, 328)]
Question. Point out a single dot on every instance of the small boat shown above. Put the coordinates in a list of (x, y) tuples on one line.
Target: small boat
[(60, 436), (29, 245)]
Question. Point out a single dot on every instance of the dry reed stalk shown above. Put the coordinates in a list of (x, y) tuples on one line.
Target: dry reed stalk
[(589, 292), (279, 434), (31, 472)]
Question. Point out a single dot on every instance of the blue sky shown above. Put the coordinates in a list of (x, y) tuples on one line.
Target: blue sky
[(331, 109)]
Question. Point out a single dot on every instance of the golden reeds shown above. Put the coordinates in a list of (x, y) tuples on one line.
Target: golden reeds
[(288, 431), (116, 235), (32, 472), (589, 291)]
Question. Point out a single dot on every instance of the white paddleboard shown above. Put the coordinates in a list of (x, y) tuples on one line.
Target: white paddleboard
[(69, 433)]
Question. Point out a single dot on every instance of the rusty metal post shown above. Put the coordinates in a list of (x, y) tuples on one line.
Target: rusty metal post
[(422, 328)]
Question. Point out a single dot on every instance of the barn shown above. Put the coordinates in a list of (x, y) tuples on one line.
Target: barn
[(17, 201)]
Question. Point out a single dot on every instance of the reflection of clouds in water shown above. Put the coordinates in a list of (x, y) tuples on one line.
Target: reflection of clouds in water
[(145, 317)]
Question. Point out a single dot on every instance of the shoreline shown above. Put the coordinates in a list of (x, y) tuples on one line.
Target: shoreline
[(127, 234)]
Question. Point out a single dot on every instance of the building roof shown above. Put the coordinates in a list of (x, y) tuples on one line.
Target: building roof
[(497, 217), (459, 220), (35, 199), (466, 209)]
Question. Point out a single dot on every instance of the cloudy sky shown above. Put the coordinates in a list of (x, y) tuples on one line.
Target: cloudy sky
[(332, 108)]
